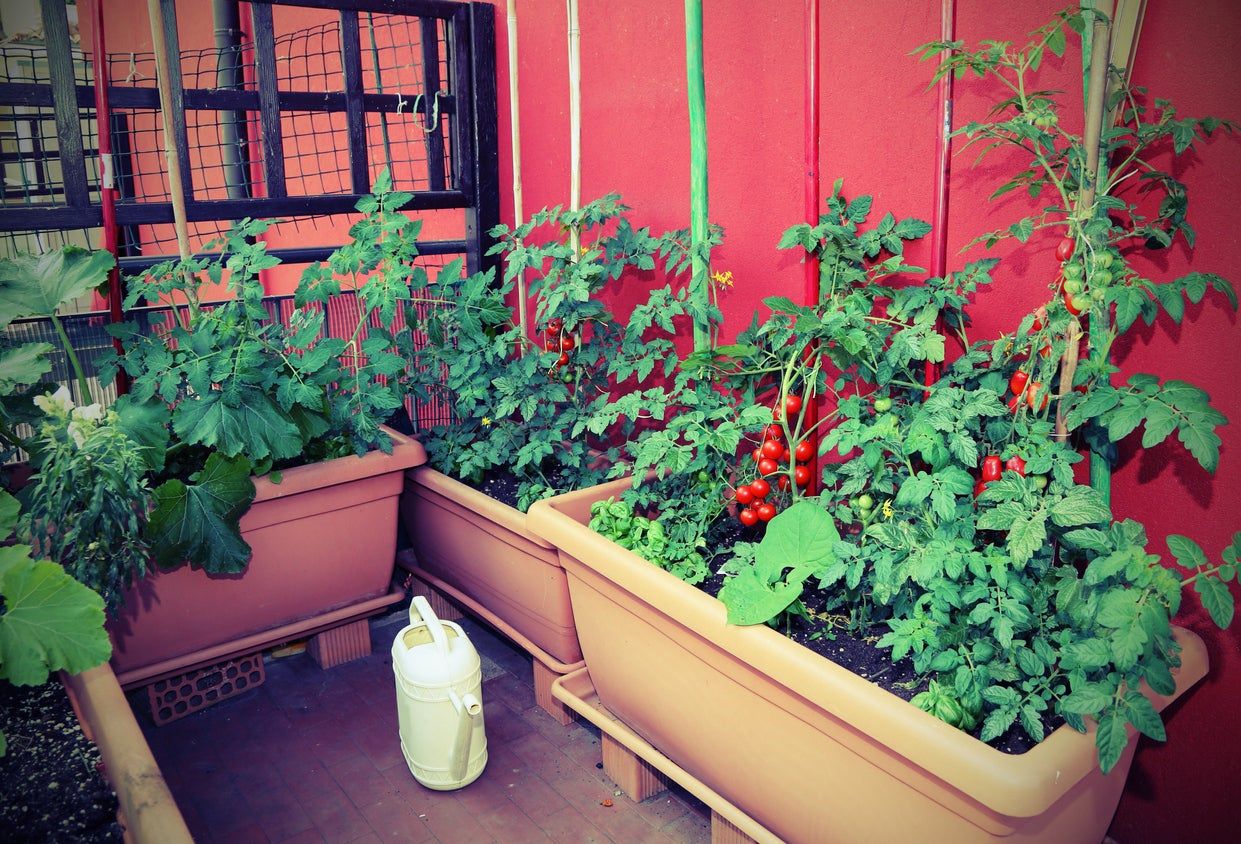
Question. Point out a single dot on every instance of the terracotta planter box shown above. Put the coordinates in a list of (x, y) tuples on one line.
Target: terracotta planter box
[(148, 811), (482, 548), (808, 749), (324, 540)]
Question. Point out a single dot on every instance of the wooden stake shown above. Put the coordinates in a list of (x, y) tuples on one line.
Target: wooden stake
[(514, 109), (575, 124), (175, 187)]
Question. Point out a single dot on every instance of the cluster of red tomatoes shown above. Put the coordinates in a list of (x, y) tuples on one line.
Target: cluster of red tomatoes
[(769, 459), (993, 466), (558, 340), (1025, 390)]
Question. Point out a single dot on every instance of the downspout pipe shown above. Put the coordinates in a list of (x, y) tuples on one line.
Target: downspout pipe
[(226, 18)]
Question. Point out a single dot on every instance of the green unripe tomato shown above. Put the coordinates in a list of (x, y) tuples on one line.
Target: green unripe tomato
[(703, 476), (1040, 481), (566, 377), (1101, 278), (1103, 259), (1097, 294), (1073, 269), (883, 404), (865, 503), (1072, 286)]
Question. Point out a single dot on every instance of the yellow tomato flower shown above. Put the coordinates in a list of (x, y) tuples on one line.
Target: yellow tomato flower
[(486, 421), (723, 279), (887, 510)]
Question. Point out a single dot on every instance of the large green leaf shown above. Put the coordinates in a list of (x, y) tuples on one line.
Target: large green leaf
[(23, 365), (38, 285), (249, 424), (50, 621), (146, 423), (198, 522), (800, 540)]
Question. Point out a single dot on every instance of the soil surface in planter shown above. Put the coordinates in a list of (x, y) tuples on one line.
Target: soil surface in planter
[(503, 486), (828, 636), (51, 782)]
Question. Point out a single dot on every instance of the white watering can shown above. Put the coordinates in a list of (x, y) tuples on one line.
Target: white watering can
[(439, 700)]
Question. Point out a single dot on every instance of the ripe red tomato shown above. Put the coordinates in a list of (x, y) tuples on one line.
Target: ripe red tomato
[(767, 466), (804, 451), (757, 454), (759, 488), (1040, 317), (1064, 251), (772, 449), (567, 342), (1032, 396), (784, 455), (748, 517), (991, 467), (1015, 402), (744, 495), (792, 405), (1017, 384), (1016, 464), (766, 511), (555, 324), (563, 359), (979, 487), (1071, 303), (773, 432), (782, 482), (802, 475)]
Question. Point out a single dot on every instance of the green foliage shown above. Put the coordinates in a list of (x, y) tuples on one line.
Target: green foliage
[(545, 412), (48, 621), (798, 543), (87, 503), (646, 538), (38, 285), (223, 391)]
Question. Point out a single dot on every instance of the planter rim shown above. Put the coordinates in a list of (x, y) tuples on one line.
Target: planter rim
[(407, 452), (476, 501), (150, 812), (1018, 785)]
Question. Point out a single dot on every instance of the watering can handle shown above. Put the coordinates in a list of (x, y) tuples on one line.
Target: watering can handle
[(420, 612)]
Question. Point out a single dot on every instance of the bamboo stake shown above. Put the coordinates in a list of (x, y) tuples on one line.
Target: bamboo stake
[(696, 87), (575, 125), (515, 118), (1095, 104), (175, 186)]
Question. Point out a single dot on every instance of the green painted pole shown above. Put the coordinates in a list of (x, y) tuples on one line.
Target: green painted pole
[(696, 87)]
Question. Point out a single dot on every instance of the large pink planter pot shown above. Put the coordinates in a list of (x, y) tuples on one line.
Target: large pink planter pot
[(324, 538), (809, 750), (483, 548)]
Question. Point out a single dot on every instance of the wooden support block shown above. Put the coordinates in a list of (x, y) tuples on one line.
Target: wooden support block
[(723, 832), (341, 644), (634, 776), (543, 677), (444, 609)]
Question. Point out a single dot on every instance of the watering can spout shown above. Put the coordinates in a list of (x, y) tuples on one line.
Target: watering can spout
[(469, 710)]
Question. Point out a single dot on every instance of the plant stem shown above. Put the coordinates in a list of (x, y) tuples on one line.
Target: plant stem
[(72, 356)]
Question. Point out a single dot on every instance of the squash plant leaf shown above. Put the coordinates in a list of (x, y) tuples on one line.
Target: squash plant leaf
[(198, 521), (24, 364), (801, 540), (251, 424), (38, 285), (50, 621)]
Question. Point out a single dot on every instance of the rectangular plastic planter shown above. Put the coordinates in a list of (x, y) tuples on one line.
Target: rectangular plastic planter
[(808, 749), (483, 549), (324, 540)]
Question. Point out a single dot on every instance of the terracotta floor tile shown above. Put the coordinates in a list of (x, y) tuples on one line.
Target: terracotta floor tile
[(534, 796), (568, 826), (452, 823), (392, 819), (310, 836), (360, 779), (279, 813), (308, 781), (336, 818), (690, 828), (518, 695), (509, 825), (251, 833)]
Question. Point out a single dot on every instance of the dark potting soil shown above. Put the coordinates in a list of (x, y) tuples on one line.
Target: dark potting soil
[(51, 784), (502, 486), (855, 651)]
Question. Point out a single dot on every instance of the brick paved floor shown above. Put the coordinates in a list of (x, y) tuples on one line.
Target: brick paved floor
[(313, 756)]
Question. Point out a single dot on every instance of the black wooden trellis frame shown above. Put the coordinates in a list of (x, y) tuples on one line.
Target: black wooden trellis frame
[(470, 104)]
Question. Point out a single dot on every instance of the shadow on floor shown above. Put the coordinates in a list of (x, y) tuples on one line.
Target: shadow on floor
[(314, 756)]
